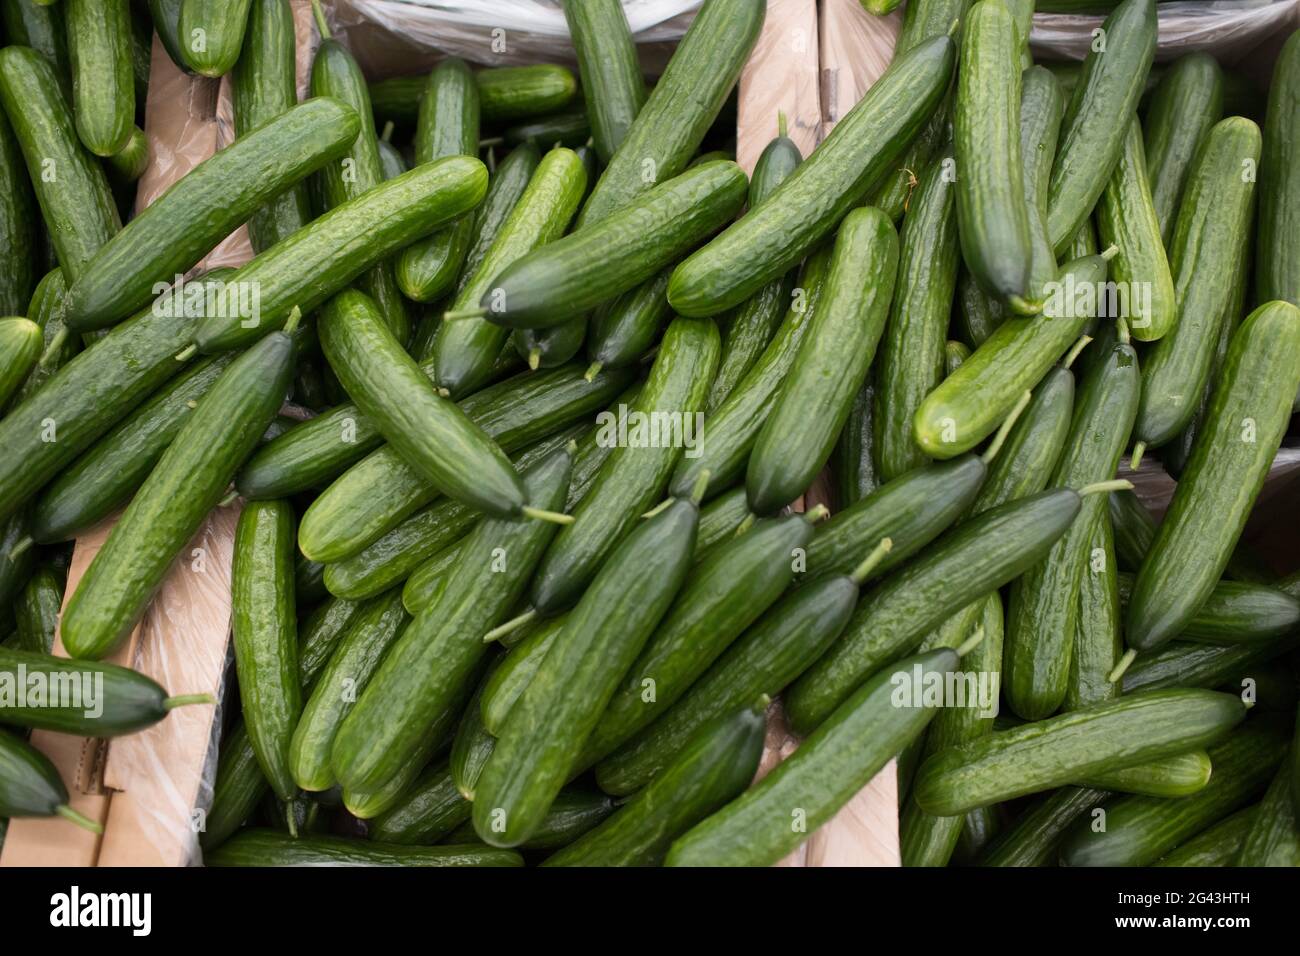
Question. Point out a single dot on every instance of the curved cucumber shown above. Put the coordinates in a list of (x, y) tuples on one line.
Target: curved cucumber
[(1176, 776), (212, 34), (509, 179), (1032, 839), (472, 745), (612, 86), (103, 80)]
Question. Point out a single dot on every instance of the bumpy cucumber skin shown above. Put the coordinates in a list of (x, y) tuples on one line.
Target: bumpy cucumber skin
[(46, 310), (256, 847), (1217, 846), (103, 83), (1236, 612), (1098, 639), (1273, 838), (1212, 219), (36, 611), (212, 33), (188, 482), (768, 241), (624, 330), (308, 267), (430, 810), (508, 181), (472, 745), (820, 777), (853, 462), (1103, 102), (20, 345), (1187, 101), (1277, 261), (975, 557), (41, 27), (509, 680), (612, 86), (504, 92), (911, 353), (1223, 477), (1032, 839), (18, 226)]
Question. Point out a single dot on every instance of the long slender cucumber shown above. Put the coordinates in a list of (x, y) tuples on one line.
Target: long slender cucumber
[(256, 847), (612, 86), (1277, 274), (30, 785)]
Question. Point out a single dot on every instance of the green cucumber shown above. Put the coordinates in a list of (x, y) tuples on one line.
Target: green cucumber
[(308, 267), (575, 811), (472, 745), (46, 310), (1186, 102), (979, 314), (272, 848), (36, 610), (968, 406), (448, 126), (1213, 217), (1176, 776), (669, 128), (189, 480), (76, 203), (104, 478), (369, 804), (103, 81), (1139, 830), (1043, 610), (1235, 612), (393, 162), (212, 34), (1273, 838), (634, 476), (726, 594), (16, 563), (853, 462), (467, 349), (1189, 664), (612, 86), (1243, 426), (30, 785), (552, 346), (430, 810), (764, 244), (1097, 118), (911, 355), (41, 27), (129, 163), (1032, 839), (509, 179), (544, 733), (1135, 528), (265, 638), (1109, 735), (1098, 643), (809, 787), (19, 226), (504, 92), (204, 206), (1277, 258), (516, 672), (20, 347), (734, 425), (433, 662), (320, 633), (166, 16), (954, 353), (714, 767), (980, 554), (569, 128), (1217, 846), (991, 209), (624, 330), (601, 260)]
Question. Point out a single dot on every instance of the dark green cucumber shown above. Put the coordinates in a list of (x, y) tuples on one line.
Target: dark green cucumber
[(76, 204), (466, 350), (1188, 664), (265, 638), (1043, 611), (129, 163), (30, 785), (569, 128), (954, 353), (764, 244), (41, 27), (552, 346), (204, 206), (624, 330), (376, 494), (36, 611), (1243, 427), (81, 698), (991, 209), (103, 82), (601, 260), (911, 354), (1032, 839), (1177, 776), (394, 163), (472, 745), (544, 733), (690, 93), (715, 766), (448, 126), (1235, 612), (212, 34), (1096, 120), (833, 764), (1273, 838), (734, 425), (979, 313), (19, 226), (434, 661), (726, 594), (1217, 846), (504, 92), (272, 848), (980, 554), (633, 478), (449, 451), (575, 811), (1139, 830), (356, 657), (1110, 735), (430, 810), (317, 261), (509, 179), (968, 406), (189, 480), (1135, 528), (799, 434), (1098, 641), (166, 16), (105, 477), (46, 310), (16, 563), (853, 462), (612, 85), (1187, 101), (20, 347), (516, 672), (1277, 257), (1213, 217)]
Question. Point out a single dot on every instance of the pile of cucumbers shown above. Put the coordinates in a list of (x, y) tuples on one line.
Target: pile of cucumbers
[(524, 384)]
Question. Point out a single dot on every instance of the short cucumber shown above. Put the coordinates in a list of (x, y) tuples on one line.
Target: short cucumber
[(504, 92), (714, 767), (767, 242), (1032, 839), (1217, 846), (1273, 838), (1277, 272), (612, 86), (1243, 426), (20, 347), (30, 785), (1177, 776), (621, 332), (103, 83), (517, 670), (472, 745), (270, 848), (430, 810), (1098, 642), (204, 206), (1235, 612), (829, 767), (212, 34), (189, 480), (552, 346), (19, 226), (1050, 753), (36, 611)]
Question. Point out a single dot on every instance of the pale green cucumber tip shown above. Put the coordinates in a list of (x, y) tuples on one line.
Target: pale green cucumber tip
[(79, 819)]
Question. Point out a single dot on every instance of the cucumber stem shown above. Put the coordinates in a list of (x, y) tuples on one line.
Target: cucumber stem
[(662, 506), (491, 141), (321, 25), (1022, 306), (864, 569), (1115, 484), (291, 819), (1123, 665), (541, 514), (781, 128), (187, 353), (387, 134), (972, 642), (816, 514), (1139, 450), (701, 485), (291, 323), (761, 705), (1121, 329), (229, 500), (501, 630), (455, 315), (1075, 349), (21, 545), (54, 348), (185, 700), (191, 404), (1004, 429), (534, 359), (746, 524), (952, 30), (592, 371), (79, 819), (1110, 252)]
